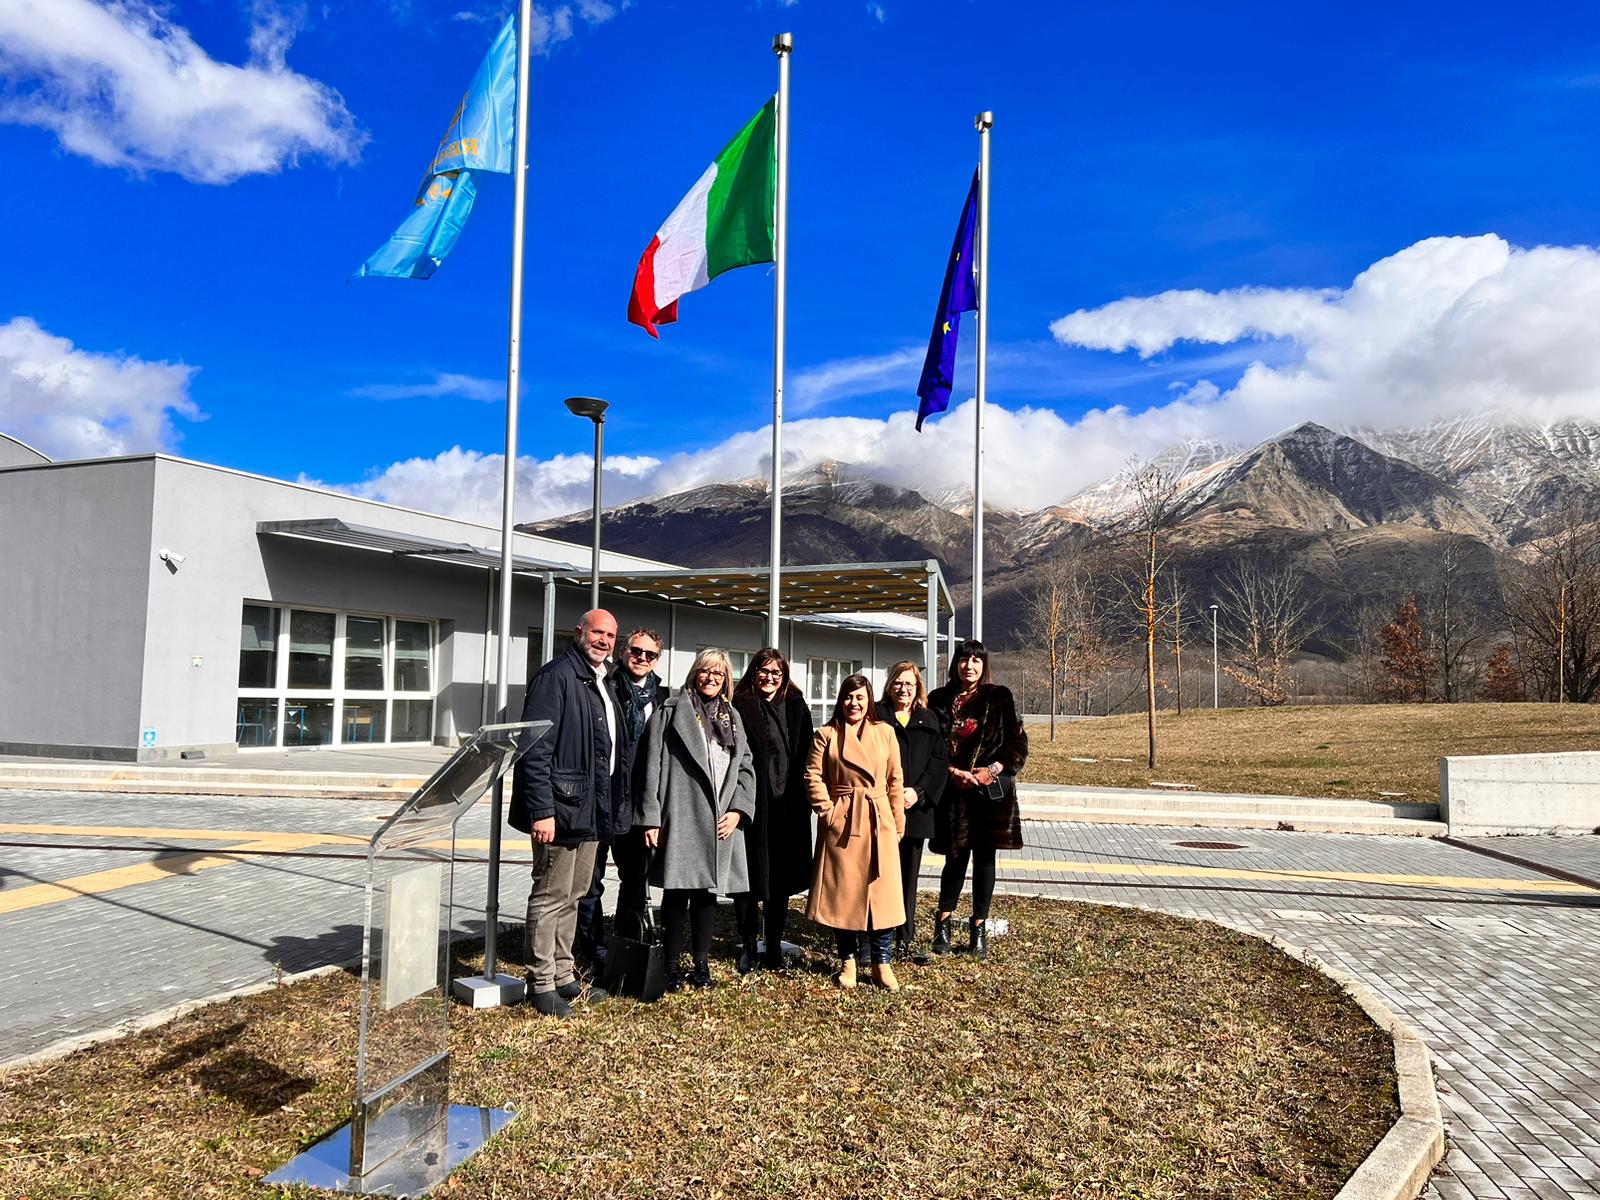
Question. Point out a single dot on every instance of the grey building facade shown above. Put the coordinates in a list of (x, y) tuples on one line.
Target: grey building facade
[(152, 606)]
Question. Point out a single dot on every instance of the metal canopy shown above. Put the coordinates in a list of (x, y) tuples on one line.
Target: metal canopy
[(838, 594), (899, 587), (334, 532)]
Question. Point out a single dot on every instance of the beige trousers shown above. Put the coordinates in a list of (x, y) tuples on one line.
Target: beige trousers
[(561, 875)]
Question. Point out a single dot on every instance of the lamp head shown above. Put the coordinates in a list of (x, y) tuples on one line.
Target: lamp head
[(587, 406)]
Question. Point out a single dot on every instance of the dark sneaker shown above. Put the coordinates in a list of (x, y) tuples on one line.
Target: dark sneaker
[(700, 977), (551, 1003)]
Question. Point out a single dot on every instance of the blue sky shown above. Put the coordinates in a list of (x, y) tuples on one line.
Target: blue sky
[(1139, 150)]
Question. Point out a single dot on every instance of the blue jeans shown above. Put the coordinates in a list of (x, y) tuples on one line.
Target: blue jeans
[(851, 942)]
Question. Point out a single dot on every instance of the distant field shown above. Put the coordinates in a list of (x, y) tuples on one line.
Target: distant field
[(1352, 751)]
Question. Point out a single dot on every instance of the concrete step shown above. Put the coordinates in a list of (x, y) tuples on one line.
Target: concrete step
[(1138, 806), (213, 781)]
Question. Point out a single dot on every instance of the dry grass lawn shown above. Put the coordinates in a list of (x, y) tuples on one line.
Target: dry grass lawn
[(1102, 1052), (1355, 751)]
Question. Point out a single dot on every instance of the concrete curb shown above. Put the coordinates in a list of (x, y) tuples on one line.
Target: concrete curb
[(1400, 1165), (133, 1025)]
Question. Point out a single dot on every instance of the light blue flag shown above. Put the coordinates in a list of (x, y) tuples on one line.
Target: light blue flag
[(483, 133), (481, 137), (420, 245)]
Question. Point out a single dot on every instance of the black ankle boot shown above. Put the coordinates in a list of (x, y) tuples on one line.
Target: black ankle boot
[(979, 947), (749, 960), (942, 929)]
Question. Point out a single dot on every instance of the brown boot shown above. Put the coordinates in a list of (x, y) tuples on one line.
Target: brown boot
[(846, 978), (883, 976)]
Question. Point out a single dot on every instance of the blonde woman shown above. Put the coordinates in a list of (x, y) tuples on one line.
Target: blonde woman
[(699, 793), (925, 763), (853, 777)]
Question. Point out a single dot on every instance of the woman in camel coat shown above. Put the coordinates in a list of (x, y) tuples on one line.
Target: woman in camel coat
[(854, 780)]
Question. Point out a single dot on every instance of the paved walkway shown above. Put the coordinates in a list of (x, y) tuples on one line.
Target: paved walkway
[(114, 906)]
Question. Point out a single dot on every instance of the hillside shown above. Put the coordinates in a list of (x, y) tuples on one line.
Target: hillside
[(1359, 513)]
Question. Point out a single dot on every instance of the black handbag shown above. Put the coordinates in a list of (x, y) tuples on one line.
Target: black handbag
[(636, 961)]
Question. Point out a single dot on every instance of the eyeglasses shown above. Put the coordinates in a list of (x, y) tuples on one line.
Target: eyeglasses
[(709, 673), (904, 685), (640, 652), (769, 673)]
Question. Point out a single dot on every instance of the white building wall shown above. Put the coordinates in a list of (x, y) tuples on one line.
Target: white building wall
[(101, 641)]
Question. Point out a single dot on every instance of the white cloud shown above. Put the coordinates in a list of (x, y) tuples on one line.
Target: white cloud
[(124, 85), (844, 378), (1150, 325), (444, 383), (877, 13), (1446, 326), (72, 403), (466, 483), (551, 25)]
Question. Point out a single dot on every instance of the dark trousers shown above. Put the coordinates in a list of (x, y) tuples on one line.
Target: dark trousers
[(681, 907), (955, 874), (877, 942), (769, 922), (910, 869), (632, 860)]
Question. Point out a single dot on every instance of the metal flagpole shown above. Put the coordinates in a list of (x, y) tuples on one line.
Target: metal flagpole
[(492, 988), (782, 46), (984, 122)]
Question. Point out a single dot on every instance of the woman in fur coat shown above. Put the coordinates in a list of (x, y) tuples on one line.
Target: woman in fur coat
[(978, 815)]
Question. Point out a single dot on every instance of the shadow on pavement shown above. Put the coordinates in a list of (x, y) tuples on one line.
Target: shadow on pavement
[(292, 953)]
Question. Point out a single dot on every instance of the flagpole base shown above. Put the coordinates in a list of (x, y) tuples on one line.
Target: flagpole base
[(478, 991)]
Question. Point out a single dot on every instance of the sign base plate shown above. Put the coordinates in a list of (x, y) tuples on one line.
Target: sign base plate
[(422, 1166)]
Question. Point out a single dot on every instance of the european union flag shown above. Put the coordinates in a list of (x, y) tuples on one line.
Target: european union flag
[(480, 137), (960, 295)]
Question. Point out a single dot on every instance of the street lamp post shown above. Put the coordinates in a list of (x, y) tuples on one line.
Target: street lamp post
[(1214, 689), (595, 410)]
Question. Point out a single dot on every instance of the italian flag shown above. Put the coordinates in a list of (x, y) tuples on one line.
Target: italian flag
[(725, 221)]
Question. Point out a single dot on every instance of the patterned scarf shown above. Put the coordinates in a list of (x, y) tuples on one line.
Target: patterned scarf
[(716, 719)]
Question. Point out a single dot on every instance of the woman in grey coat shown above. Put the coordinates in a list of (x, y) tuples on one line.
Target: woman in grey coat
[(699, 796)]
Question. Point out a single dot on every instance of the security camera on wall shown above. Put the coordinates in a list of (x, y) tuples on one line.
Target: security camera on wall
[(172, 558)]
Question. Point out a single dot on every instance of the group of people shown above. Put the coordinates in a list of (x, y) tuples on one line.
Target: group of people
[(711, 791)]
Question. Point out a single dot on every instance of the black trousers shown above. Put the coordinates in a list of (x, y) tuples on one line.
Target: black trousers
[(955, 874), (681, 907), (632, 859), (910, 869), (768, 923)]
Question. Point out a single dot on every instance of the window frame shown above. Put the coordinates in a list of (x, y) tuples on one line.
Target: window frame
[(282, 692)]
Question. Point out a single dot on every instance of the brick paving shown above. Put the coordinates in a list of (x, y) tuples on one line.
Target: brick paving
[(1502, 978)]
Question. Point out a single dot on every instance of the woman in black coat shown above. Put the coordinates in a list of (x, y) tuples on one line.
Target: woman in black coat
[(988, 746), (924, 763), (777, 721)]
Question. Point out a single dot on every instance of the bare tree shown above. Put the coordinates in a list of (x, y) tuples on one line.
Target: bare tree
[(1364, 667), (1155, 496), (1552, 605), (1065, 618), (1455, 624), (1046, 613), (1178, 603), (1268, 619)]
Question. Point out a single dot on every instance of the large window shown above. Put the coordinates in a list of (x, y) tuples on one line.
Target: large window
[(823, 677), (311, 677)]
